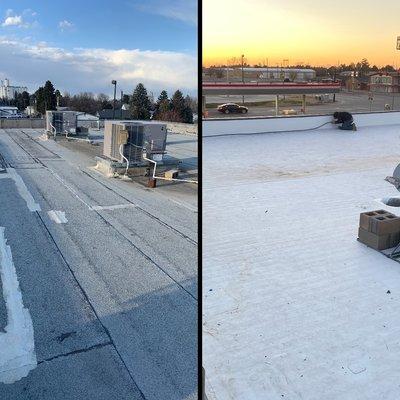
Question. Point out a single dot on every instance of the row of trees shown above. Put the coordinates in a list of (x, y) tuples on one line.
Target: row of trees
[(141, 105), (363, 67), (86, 102), (45, 98), (176, 109)]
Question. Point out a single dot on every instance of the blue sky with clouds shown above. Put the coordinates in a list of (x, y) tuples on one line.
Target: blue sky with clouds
[(82, 45)]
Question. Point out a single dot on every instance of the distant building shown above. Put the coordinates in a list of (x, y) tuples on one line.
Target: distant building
[(356, 82), (8, 112), (8, 92), (348, 73), (88, 120), (268, 74), (385, 82), (279, 74), (30, 111)]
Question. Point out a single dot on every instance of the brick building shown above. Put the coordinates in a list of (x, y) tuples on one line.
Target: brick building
[(385, 82)]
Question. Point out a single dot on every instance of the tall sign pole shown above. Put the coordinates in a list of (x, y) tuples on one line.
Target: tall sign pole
[(397, 48), (242, 75), (114, 82)]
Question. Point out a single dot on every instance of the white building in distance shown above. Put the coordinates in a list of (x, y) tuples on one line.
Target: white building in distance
[(8, 112), (8, 92), (276, 73)]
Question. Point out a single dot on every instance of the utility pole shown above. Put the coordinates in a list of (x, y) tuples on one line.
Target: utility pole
[(242, 75), (334, 81), (114, 82)]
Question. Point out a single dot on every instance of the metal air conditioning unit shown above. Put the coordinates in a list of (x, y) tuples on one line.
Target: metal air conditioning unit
[(61, 122), (131, 139)]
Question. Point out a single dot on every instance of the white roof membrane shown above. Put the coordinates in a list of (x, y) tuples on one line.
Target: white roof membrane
[(294, 306)]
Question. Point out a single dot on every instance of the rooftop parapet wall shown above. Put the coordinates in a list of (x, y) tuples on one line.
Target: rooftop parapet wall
[(240, 126), (179, 127), (33, 123)]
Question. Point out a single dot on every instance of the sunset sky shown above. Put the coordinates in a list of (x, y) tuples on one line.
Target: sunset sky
[(308, 31)]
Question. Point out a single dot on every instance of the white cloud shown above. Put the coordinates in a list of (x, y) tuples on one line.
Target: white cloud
[(30, 12), (92, 70), (19, 21), (64, 25), (15, 20), (182, 10)]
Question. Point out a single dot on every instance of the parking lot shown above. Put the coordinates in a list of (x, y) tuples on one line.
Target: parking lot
[(357, 101)]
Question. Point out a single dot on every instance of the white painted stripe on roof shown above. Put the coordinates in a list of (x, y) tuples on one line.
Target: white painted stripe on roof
[(117, 206), (17, 355)]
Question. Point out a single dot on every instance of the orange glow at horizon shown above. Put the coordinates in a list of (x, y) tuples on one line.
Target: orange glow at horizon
[(301, 31)]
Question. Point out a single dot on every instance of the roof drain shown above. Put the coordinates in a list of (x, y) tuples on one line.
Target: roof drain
[(391, 201)]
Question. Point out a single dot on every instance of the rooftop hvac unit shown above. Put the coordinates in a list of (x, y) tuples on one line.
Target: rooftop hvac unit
[(61, 121), (136, 138)]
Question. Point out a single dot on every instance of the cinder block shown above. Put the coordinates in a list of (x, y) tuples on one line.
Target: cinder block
[(378, 242), (384, 224), (171, 174), (365, 218)]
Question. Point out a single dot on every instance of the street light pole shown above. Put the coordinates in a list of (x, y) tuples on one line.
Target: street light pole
[(242, 76), (114, 82)]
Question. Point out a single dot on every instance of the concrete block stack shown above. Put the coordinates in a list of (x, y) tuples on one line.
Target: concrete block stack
[(379, 229)]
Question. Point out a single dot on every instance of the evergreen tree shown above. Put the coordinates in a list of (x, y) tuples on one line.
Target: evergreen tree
[(162, 107), (25, 98), (181, 108), (163, 99), (21, 100), (178, 104), (45, 98), (40, 103), (140, 105), (187, 115), (49, 96)]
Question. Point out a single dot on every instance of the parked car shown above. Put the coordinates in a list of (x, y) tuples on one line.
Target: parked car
[(229, 108)]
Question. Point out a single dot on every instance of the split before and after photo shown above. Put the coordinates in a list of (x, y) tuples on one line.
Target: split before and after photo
[(199, 200)]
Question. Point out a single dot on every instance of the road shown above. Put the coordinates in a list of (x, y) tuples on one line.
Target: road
[(99, 279), (350, 101)]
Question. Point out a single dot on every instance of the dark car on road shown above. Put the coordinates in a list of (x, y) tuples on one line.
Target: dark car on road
[(229, 108)]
